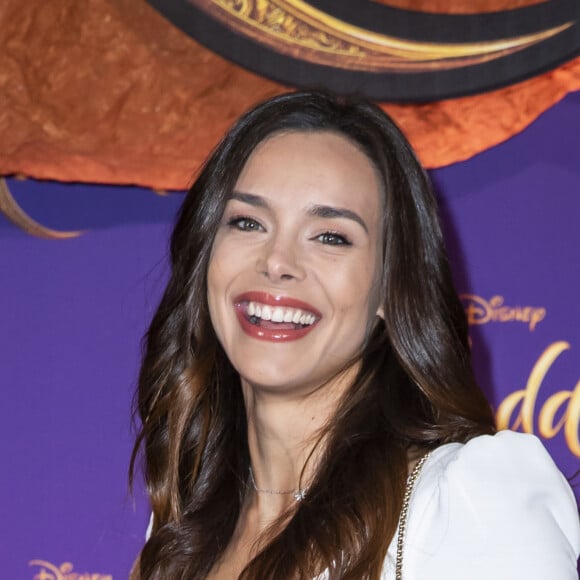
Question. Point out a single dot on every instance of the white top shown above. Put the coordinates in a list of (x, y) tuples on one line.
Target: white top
[(496, 508)]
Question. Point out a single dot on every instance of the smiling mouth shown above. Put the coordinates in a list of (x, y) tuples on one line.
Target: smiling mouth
[(280, 317), (275, 319)]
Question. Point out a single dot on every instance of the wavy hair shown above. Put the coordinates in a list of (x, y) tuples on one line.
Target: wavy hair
[(414, 387)]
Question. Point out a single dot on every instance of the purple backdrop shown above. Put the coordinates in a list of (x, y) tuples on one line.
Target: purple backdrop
[(73, 313)]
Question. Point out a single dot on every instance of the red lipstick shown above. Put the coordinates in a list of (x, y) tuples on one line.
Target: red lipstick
[(272, 331)]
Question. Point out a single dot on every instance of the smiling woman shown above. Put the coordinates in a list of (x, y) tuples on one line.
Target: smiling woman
[(307, 402), (312, 234)]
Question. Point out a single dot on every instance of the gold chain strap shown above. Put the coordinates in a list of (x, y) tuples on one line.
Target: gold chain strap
[(404, 512)]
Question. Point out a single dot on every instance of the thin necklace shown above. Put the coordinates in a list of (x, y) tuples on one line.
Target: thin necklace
[(299, 494)]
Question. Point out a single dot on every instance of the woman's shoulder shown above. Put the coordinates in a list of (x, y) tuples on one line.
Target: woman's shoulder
[(496, 506), (506, 459)]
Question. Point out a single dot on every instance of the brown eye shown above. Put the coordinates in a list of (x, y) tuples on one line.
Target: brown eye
[(245, 224), (333, 239)]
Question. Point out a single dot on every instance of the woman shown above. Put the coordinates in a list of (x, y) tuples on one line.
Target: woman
[(308, 355)]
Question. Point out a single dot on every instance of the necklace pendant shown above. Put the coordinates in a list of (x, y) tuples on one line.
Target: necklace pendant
[(298, 495)]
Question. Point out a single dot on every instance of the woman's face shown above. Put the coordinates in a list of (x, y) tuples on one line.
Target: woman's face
[(295, 269)]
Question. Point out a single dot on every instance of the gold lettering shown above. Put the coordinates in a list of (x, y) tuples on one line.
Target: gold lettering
[(476, 309), (49, 571), (548, 413), (44, 575), (572, 427), (505, 410), (565, 402), (45, 569), (538, 314), (480, 311)]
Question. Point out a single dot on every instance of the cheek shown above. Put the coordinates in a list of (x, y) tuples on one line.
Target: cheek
[(211, 288), (218, 267), (356, 306), (358, 287), (213, 314), (216, 283), (356, 299)]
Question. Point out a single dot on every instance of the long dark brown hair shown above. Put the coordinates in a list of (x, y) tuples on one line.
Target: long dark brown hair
[(414, 387)]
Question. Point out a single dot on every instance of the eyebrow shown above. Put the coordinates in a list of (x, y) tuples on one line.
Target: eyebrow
[(328, 211), (249, 198), (321, 211)]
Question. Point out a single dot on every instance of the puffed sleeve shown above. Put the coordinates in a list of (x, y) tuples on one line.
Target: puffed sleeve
[(496, 508)]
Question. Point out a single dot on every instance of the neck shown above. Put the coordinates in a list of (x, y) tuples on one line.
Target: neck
[(286, 441)]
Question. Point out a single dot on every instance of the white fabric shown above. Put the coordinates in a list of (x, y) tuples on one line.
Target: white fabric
[(496, 508)]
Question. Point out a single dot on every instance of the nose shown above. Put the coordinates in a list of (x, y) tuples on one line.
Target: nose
[(280, 260)]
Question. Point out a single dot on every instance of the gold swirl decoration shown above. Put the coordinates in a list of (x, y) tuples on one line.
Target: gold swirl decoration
[(17, 216), (297, 29)]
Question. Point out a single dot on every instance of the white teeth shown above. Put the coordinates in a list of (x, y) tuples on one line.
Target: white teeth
[(280, 314), (266, 313)]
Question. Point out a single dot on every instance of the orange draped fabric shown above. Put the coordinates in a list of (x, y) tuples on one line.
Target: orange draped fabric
[(107, 91)]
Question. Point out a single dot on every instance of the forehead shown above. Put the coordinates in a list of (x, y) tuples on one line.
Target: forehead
[(313, 167)]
